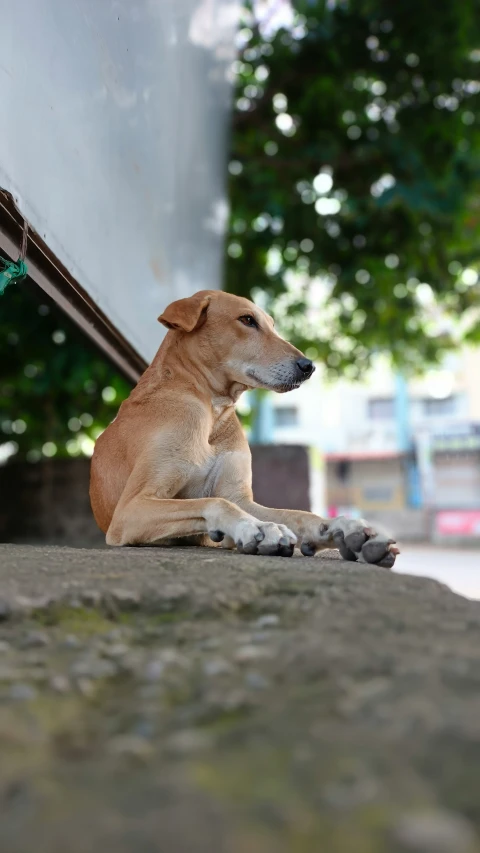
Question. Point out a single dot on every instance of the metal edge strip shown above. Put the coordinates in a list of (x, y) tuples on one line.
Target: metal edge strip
[(52, 277)]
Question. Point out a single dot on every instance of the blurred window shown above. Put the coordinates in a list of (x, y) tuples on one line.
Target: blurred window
[(381, 409), (378, 494), (435, 408), (287, 416)]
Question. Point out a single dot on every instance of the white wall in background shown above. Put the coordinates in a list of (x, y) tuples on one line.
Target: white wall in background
[(113, 143)]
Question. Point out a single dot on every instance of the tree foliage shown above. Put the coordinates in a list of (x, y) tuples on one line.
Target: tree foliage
[(354, 177), (354, 184), (56, 392)]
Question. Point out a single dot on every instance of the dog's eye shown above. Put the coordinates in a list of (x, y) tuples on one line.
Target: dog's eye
[(248, 320)]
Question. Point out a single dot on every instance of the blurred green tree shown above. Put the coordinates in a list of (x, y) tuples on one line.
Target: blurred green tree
[(354, 177), (354, 185), (56, 392)]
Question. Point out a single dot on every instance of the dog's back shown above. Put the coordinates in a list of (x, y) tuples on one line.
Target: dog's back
[(117, 448), (108, 476)]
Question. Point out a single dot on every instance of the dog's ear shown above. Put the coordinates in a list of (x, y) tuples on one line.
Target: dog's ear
[(186, 314)]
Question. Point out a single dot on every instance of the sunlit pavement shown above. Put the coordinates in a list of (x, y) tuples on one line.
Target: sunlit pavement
[(457, 567)]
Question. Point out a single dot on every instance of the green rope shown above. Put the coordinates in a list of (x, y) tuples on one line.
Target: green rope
[(11, 272)]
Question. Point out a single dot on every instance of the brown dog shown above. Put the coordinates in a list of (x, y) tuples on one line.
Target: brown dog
[(175, 461)]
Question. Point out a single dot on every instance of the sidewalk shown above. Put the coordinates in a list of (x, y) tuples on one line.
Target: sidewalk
[(459, 568), (195, 701)]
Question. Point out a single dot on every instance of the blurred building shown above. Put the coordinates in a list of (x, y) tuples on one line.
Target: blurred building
[(376, 451)]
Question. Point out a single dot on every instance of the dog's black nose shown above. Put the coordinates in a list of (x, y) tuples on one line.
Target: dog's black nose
[(306, 367)]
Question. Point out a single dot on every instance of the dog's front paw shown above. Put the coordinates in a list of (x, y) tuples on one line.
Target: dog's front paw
[(356, 540), (260, 537)]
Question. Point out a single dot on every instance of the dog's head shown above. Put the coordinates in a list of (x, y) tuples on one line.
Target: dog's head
[(233, 337)]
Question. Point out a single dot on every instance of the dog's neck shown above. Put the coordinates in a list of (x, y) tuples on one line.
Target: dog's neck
[(173, 361), (221, 402)]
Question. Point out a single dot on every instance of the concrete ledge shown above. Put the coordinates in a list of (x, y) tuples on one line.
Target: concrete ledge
[(192, 700)]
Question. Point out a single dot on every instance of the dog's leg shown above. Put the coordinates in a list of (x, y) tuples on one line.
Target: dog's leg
[(354, 538), (144, 519)]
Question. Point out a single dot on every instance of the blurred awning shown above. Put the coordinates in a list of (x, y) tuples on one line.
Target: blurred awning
[(363, 456)]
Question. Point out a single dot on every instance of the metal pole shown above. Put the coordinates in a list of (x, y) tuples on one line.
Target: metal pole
[(262, 421), (405, 443)]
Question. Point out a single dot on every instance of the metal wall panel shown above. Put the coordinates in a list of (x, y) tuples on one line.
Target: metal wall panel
[(113, 144)]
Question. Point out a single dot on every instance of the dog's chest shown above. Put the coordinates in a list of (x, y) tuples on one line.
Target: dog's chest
[(205, 479), (201, 483), (208, 478)]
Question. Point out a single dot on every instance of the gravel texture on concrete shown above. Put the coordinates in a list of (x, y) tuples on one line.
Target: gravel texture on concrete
[(193, 700)]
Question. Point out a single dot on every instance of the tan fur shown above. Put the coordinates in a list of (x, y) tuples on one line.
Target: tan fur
[(175, 461)]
